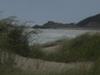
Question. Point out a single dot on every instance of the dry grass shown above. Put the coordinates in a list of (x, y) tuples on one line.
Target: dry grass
[(37, 65)]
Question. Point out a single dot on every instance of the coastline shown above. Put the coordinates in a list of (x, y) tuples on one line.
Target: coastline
[(73, 28)]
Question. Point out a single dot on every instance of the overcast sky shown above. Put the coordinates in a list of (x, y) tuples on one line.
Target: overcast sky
[(41, 11)]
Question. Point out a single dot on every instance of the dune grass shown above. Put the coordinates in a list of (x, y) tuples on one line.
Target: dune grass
[(82, 48), (85, 47)]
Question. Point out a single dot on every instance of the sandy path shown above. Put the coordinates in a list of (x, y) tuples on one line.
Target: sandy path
[(51, 49)]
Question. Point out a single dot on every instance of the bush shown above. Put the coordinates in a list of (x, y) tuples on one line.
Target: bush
[(17, 42), (36, 51), (82, 48), (95, 70)]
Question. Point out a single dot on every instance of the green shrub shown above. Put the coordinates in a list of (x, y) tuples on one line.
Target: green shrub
[(36, 51), (95, 70), (82, 48), (17, 42)]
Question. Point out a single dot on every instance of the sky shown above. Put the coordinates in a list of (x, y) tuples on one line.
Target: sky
[(41, 11)]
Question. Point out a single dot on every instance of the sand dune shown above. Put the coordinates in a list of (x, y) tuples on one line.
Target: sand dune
[(38, 65)]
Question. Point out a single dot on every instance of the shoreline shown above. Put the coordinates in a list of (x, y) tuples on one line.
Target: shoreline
[(73, 28)]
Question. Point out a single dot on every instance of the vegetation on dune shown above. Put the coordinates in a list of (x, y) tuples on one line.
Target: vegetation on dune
[(18, 43), (36, 52), (82, 48), (13, 41)]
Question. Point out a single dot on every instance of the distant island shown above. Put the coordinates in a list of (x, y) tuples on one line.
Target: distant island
[(89, 22)]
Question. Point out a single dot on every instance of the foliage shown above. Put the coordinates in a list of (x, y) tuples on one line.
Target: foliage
[(36, 51), (82, 48), (17, 42)]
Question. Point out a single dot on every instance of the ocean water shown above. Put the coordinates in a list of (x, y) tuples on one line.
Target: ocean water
[(49, 35)]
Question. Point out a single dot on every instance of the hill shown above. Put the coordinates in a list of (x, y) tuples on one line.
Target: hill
[(52, 24), (89, 22), (92, 21)]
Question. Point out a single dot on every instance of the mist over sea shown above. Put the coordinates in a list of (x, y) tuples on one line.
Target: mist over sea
[(50, 35)]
